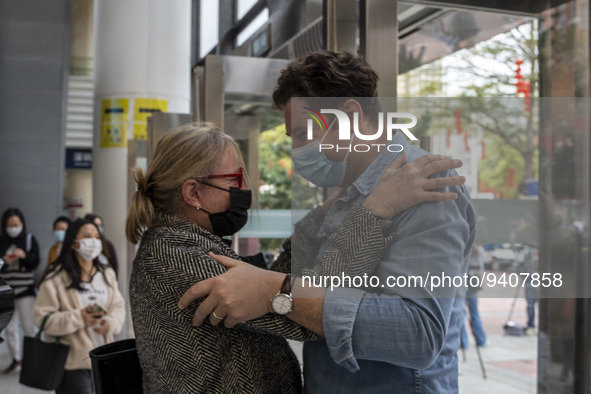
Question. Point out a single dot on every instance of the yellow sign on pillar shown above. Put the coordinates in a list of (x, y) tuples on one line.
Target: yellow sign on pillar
[(114, 135), (142, 109), (114, 123)]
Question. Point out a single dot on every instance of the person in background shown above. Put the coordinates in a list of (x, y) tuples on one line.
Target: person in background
[(60, 225), (475, 268), (108, 248), (83, 302), (530, 265), (20, 253)]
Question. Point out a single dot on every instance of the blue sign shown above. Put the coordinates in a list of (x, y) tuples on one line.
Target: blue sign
[(78, 158), (531, 188)]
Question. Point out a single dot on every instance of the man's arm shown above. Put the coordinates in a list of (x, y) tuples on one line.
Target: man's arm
[(307, 311), (404, 325), (241, 301), (343, 254)]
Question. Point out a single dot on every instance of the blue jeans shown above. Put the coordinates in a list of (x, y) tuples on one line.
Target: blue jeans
[(531, 312), (475, 325)]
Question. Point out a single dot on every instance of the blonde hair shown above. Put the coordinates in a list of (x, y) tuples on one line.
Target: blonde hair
[(190, 151)]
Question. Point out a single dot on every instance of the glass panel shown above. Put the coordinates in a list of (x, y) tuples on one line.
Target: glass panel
[(564, 195), (481, 54), (243, 6), (533, 188), (446, 32), (253, 27), (208, 26), (501, 162)]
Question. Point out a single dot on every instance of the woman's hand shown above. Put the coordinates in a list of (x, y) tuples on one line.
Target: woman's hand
[(20, 254), (9, 259), (103, 328), (242, 293), (91, 317), (405, 185), (12, 257)]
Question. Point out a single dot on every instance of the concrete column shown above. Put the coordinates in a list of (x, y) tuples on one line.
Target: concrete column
[(143, 51)]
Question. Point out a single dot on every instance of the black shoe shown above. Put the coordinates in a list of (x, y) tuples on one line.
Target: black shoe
[(15, 366)]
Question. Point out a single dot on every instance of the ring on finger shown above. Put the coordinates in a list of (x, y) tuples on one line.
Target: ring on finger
[(216, 316)]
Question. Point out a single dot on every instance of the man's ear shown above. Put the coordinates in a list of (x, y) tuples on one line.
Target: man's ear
[(190, 192), (352, 106)]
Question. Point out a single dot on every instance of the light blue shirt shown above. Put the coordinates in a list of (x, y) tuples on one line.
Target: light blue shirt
[(388, 339)]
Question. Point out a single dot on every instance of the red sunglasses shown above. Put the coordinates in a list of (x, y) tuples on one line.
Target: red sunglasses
[(237, 176)]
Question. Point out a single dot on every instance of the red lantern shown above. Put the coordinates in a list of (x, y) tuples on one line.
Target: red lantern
[(458, 115), (523, 86), (466, 145), (511, 177), (483, 155)]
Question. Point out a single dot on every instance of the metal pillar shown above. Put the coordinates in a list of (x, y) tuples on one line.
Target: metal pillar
[(378, 27)]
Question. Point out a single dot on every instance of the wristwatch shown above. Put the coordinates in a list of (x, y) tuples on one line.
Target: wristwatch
[(282, 303)]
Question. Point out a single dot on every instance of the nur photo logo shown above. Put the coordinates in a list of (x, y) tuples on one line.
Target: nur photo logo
[(387, 122)]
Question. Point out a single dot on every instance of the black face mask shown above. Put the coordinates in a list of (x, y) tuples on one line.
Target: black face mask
[(233, 219)]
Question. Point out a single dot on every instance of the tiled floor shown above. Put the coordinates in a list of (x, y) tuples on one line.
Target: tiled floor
[(9, 382), (510, 362)]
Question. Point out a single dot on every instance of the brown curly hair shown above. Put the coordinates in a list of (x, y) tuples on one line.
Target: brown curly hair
[(328, 74)]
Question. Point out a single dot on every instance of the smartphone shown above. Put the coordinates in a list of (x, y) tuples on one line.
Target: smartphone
[(11, 251), (99, 309)]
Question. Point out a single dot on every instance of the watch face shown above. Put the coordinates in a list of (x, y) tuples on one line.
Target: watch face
[(282, 304)]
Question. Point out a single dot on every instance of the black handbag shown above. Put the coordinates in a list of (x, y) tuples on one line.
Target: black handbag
[(43, 362), (116, 368)]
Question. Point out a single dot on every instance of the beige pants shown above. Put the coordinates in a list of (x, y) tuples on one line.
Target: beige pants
[(23, 316)]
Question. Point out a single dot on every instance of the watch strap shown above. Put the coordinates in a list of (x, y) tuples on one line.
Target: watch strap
[(286, 285)]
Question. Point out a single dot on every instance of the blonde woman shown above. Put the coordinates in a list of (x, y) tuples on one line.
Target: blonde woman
[(194, 193)]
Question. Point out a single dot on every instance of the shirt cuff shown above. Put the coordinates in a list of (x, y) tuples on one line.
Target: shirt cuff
[(338, 319)]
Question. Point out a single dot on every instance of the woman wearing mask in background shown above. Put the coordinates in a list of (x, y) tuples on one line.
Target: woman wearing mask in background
[(108, 248), (84, 305), (60, 225), (20, 253)]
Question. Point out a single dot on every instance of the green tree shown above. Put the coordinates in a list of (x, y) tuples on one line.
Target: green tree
[(279, 188), (490, 67), (274, 169)]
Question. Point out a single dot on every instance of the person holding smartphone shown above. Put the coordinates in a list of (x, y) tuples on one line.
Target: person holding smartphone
[(20, 253), (84, 304)]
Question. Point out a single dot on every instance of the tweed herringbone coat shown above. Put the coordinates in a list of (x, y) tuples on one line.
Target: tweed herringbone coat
[(177, 357)]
